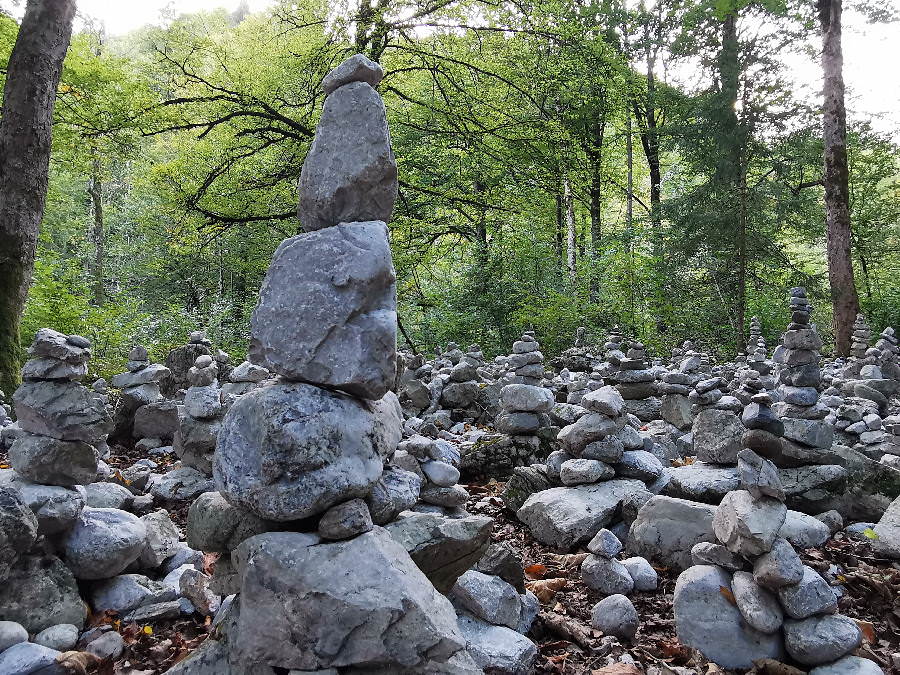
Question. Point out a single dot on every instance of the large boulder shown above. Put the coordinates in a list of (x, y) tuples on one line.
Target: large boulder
[(666, 529), (103, 543), (50, 461), (327, 311), (157, 420), (442, 547), (359, 602), (707, 619), (68, 411), (291, 450), (566, 516), (701, 482), (497, 649), (40, 592)]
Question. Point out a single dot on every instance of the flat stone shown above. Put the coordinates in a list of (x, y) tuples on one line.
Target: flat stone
[(126, 592), (526, 398), (358, 68), (639, 464), (702, 482), (605, 400), (488, 598), (821, 639), (707, 553), (350, 174), (291, 450), (497, 649), (296, 612), (705, 619), (780, 567), (442, 547), (849, 665), (327, 311), (748, 526), (67, 411), (566, 516), (584, 471)]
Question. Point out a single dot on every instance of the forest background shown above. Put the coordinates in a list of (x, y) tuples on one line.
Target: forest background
[(552, 172)]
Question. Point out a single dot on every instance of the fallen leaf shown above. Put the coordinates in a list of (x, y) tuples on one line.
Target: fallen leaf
[(867, 629), (536, 571), (77, 663), (546, 589), (728, 595), (773, 667), (617, 669), (870, 533)]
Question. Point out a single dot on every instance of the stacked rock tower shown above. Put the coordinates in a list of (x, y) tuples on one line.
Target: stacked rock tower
[(524, 404), (305, 453)]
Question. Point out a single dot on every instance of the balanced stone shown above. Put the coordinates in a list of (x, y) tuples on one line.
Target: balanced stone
[(47, 460), (291, 450), (746, 525), (327, 311), (358, 68), (350, 174)]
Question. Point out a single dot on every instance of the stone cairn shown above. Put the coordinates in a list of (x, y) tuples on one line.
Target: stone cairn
[(140, 386), (181, 359), (755, 333), (200, 418), (244, 377), (524, 403), (306, 455), (637, 383), (749, 596), (887, 345), (461, 389)]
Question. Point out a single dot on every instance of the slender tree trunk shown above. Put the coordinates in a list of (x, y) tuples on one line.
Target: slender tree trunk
[(95, 189), (836, 177), (571, 240), (594, 151), (629, 209), (29, 96)]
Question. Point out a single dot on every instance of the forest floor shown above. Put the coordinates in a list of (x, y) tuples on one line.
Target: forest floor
[(566, 642)]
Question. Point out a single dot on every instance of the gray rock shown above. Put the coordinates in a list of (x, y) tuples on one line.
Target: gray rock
[(109, 645), (26, 658), (194, 586), (358, 68), (584, 471), (68, 411), (103, 543), (701, 482), (56, 508), (40, 592), (158, 611), (397, 490), (608, 450), (50, 461), (162, 538), (717, 436), (345, 520), (586, 429), (296, 612), (289, 471), (832, 520), (887, 530), (606, 575), (748, 526), (759, 476), (108, 496), (615, 615), (497, 649), (217, 526), (566, 516), (666, 529), (605, 544), (61, 637), (821, 639), (757, 605), (487, 597), (642, 573), (812, 433), (605, 400), (707, 553), (706, 620), (804, 531), (812, 595), (11, 633), (127, 592), (848, 665), (18, 529), (182, 483), (156, 420), (449, 497), (526, 398), (342, 335), (440, 473), (639, 464), (349, 174), (780, 567), (443, 548)]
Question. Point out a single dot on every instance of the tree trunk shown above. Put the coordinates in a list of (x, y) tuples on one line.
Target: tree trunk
[(629, 211), (95, 189), (594, 151), (836, 177), (26, 130), (571, 243)]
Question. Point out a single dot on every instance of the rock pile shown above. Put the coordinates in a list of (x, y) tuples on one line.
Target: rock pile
[(637, 383), (308, 467), (139, 386), (749, 596), (243, 378), (181, 359), (200, 417)]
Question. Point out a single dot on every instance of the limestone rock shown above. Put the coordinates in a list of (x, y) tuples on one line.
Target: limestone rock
[(40, 592), (18, 529), (64, 410), (666, 529), (821, 639), (615, 615), (497, 649), (103, 543), (42, 459), (748, 526), (327, 311)]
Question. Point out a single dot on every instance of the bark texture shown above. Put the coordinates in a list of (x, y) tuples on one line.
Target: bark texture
[(836, 178), (25, 136)]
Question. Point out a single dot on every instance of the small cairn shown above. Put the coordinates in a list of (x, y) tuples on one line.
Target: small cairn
[(887, 345), (181, 359), (755, 332), (200, 418), (243, 378), (637, 383), (140, 386), (461, 388), (749, 596)]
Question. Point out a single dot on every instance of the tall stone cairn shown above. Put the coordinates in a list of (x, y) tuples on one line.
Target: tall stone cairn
[(524, 404), (859, 340), (755, 334), (306, 453)]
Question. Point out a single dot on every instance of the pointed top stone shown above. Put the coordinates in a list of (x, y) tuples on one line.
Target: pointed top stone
[(358, 68)]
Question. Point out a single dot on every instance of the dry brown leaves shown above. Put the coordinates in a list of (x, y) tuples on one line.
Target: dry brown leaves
[(546, 589)]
